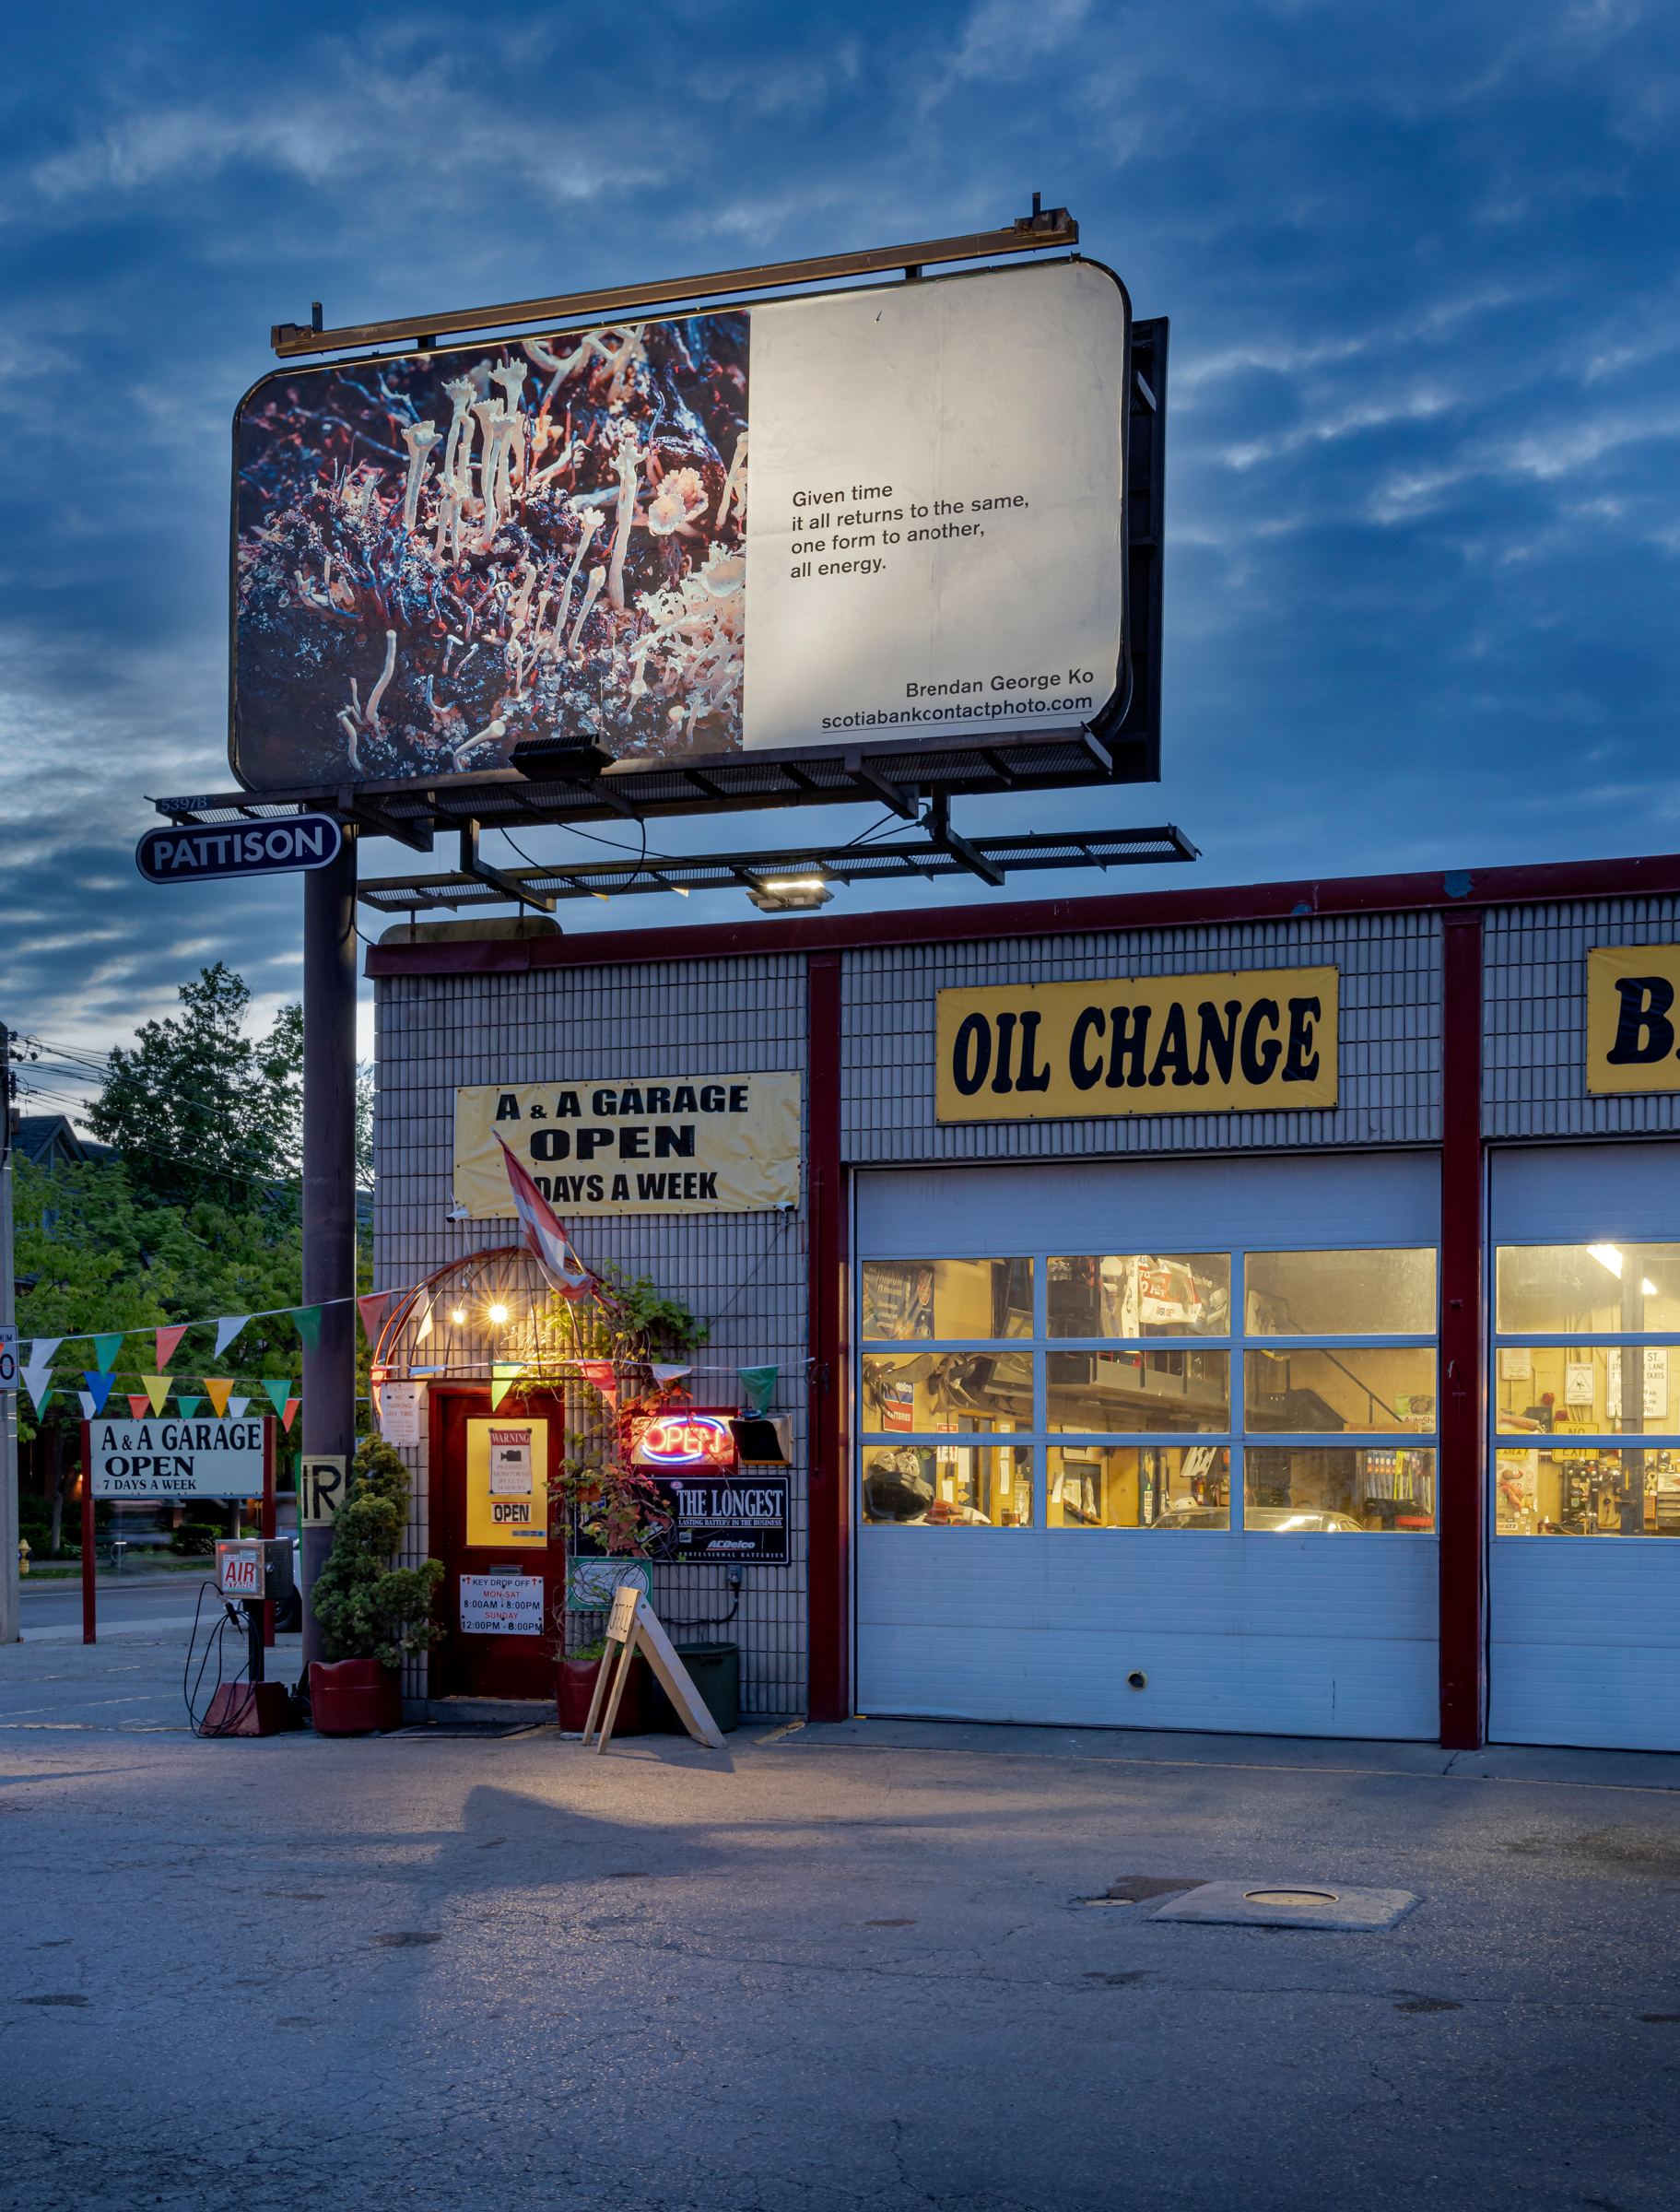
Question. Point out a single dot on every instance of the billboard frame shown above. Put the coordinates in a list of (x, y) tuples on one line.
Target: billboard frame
[(576, 783)]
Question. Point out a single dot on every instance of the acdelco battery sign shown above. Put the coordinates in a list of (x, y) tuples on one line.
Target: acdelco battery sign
[(177, 1459), (1265, 1039)]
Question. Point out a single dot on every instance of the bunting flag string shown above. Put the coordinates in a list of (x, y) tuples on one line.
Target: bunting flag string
[(759, 1383), (372, 1310)]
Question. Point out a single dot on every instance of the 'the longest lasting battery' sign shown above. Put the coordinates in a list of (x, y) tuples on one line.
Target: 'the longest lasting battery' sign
[(680, 1144), (726, 1517)]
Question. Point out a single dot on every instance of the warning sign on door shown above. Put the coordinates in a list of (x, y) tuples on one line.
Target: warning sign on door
[(507, 1484)]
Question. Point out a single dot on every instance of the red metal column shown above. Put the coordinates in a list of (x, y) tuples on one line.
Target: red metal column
[(1461, 1501), (268, 1518), (89, 1608), (829, 1488)]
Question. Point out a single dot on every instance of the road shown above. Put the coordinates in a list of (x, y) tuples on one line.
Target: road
[(121, 1603), (846, 1969)]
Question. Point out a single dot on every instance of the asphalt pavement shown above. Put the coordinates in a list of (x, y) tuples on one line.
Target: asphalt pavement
[(119, 1601), (827, 1967)]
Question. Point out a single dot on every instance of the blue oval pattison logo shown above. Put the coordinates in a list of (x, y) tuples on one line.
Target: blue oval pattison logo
[(191, 854)]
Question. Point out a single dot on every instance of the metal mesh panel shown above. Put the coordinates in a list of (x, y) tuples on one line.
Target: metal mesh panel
[(1535, 1019), (744, 1272), (1391, 994)]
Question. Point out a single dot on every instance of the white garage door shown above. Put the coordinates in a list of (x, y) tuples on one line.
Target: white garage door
[(1584, 1581), (1150, 1444)]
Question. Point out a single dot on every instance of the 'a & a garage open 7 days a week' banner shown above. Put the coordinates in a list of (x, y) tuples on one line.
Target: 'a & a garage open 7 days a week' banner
[(679, 1144)]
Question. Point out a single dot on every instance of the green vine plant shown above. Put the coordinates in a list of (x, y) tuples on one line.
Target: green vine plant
[(632, 1324), (368, 1608)]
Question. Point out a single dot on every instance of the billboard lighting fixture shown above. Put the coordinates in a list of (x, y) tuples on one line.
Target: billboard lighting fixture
[(789, 894)]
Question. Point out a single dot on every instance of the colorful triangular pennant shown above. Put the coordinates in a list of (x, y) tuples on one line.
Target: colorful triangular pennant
[(286, 1418), (167, 1341), (280, 1392), (760, 1385), (189, 1406), (424, 1331), (40, 1381), (502, 1377), (106, 1348), (236, 1406), (89, 1410), (372, 1312), (99, 1390), (217, 1389), (605, 1377), (43, 1348), (156, 1388), (666, 1376), (307, 1318), (138, 1404)]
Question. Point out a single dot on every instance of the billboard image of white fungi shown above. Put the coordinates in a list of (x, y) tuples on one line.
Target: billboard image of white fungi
[(891, 512)]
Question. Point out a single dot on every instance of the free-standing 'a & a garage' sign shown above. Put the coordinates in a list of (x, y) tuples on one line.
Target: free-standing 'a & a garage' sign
[(680, 1144), (176, 1458), (1262, 1039), (1633, 1027)]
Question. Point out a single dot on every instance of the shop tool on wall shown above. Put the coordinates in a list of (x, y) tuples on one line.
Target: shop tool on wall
[(634, 1622)]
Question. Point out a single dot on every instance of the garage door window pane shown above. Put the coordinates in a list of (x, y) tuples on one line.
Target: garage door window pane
[(1377, 1389), (911, 1393), (1590, 1290), (946, 1298), (1137, 1392), (1345, 1491), (1389, 1294), (1141, 1294), (1592, 1390), (1554, 1489), (1139, 1486), (948, 1486)]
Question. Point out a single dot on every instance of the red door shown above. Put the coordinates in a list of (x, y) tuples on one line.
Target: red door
[(501, 1541)]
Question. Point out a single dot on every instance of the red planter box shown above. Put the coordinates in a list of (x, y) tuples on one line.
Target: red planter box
[(577, 1686), (353, 1697)]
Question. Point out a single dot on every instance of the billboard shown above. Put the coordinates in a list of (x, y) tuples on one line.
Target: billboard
[(890, 513)]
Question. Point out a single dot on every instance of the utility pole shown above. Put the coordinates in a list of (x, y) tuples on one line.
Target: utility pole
[(328, 1185), (10, 1624)]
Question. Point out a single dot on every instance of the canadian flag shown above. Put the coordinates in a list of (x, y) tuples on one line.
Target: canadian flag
[(544, 1234)]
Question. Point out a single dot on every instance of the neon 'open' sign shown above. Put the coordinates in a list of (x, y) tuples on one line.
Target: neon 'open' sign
[(686, 1440)]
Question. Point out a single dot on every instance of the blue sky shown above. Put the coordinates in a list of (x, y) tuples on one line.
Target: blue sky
[(1420, 262)]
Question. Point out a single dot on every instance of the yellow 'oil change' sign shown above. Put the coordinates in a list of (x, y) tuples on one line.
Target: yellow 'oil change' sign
[(507, 1483), (1633, 1030), (1164, 1045)]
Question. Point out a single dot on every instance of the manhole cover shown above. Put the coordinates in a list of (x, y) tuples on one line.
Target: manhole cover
[(1291, 1897)]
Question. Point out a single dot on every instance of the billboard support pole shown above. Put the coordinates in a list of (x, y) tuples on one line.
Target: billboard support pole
[(11, 1622), (329, 1186)]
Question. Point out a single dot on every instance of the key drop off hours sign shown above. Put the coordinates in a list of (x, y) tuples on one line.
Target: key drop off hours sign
[(894, 513)]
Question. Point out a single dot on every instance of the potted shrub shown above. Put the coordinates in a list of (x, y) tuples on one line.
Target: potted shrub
[(375, 1614)]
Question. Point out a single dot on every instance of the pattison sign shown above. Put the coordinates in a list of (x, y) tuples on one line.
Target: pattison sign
[(1265, 1039)]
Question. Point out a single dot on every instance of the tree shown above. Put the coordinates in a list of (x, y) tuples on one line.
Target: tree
[(199, 1110), (101, 1261)]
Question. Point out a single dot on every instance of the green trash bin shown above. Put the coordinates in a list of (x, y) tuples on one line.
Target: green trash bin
[(715, 1670)]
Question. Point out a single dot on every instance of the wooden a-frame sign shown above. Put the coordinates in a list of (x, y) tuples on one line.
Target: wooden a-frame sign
[(634, 1622)]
